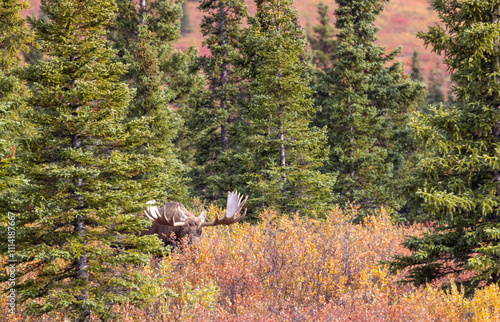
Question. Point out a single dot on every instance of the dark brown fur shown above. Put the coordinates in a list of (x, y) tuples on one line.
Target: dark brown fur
[(173, 222), (172, 235)]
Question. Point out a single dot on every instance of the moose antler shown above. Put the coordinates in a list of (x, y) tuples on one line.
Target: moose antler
[(233, 208), (154, 214)]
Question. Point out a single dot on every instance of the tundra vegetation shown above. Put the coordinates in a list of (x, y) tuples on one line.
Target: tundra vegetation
[(296, 268), (362, 203)]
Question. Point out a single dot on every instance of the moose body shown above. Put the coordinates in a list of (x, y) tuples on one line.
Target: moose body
[(172, 221), (171, 235)]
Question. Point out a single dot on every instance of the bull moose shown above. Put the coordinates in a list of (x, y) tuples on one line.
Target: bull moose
[(172, 221)]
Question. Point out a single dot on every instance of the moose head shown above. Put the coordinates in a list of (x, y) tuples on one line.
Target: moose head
[(172, 221)]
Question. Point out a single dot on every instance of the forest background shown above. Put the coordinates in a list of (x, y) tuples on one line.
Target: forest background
[(362, 172), (399, 23)]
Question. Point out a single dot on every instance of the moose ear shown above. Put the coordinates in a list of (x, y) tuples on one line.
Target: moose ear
[(202, 216)]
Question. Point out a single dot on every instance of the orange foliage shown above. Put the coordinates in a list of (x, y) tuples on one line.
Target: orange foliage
[(296, 268)]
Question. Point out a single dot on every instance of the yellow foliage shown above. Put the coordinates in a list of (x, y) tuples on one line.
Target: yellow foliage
[(296, 268), (484, 306)]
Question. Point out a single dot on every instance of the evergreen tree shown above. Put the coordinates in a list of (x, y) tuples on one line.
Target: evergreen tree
[(323, 41), (145, 37), (435, 93), (32, 55), (14, 36), (216, 110), (185, 21), (417, 75), (365, 99), (76, 233), (459, 176), (161, 20), (279, 152), (152, 100), (416, 70)]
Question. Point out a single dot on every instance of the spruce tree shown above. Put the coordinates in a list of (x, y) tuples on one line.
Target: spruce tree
[(161, 76), (435, 92), (365, 100), (417, 75), (177, 69), (14, 36), (458, 177), (76, 231), (151, 100), (416, 69), (162, 18), (217, 108), (280, 153), (185, 21), (322, 40)]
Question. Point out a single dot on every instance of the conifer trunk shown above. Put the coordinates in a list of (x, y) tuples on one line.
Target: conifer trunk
[(282, 138), (351, 140), (81, 262), (223, 74), (281, 125), (495, 68), (282, 133), (79, 225), (142, 6)]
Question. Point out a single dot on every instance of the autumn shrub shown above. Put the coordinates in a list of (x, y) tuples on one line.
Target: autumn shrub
[(287, 267), (294, 268)]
